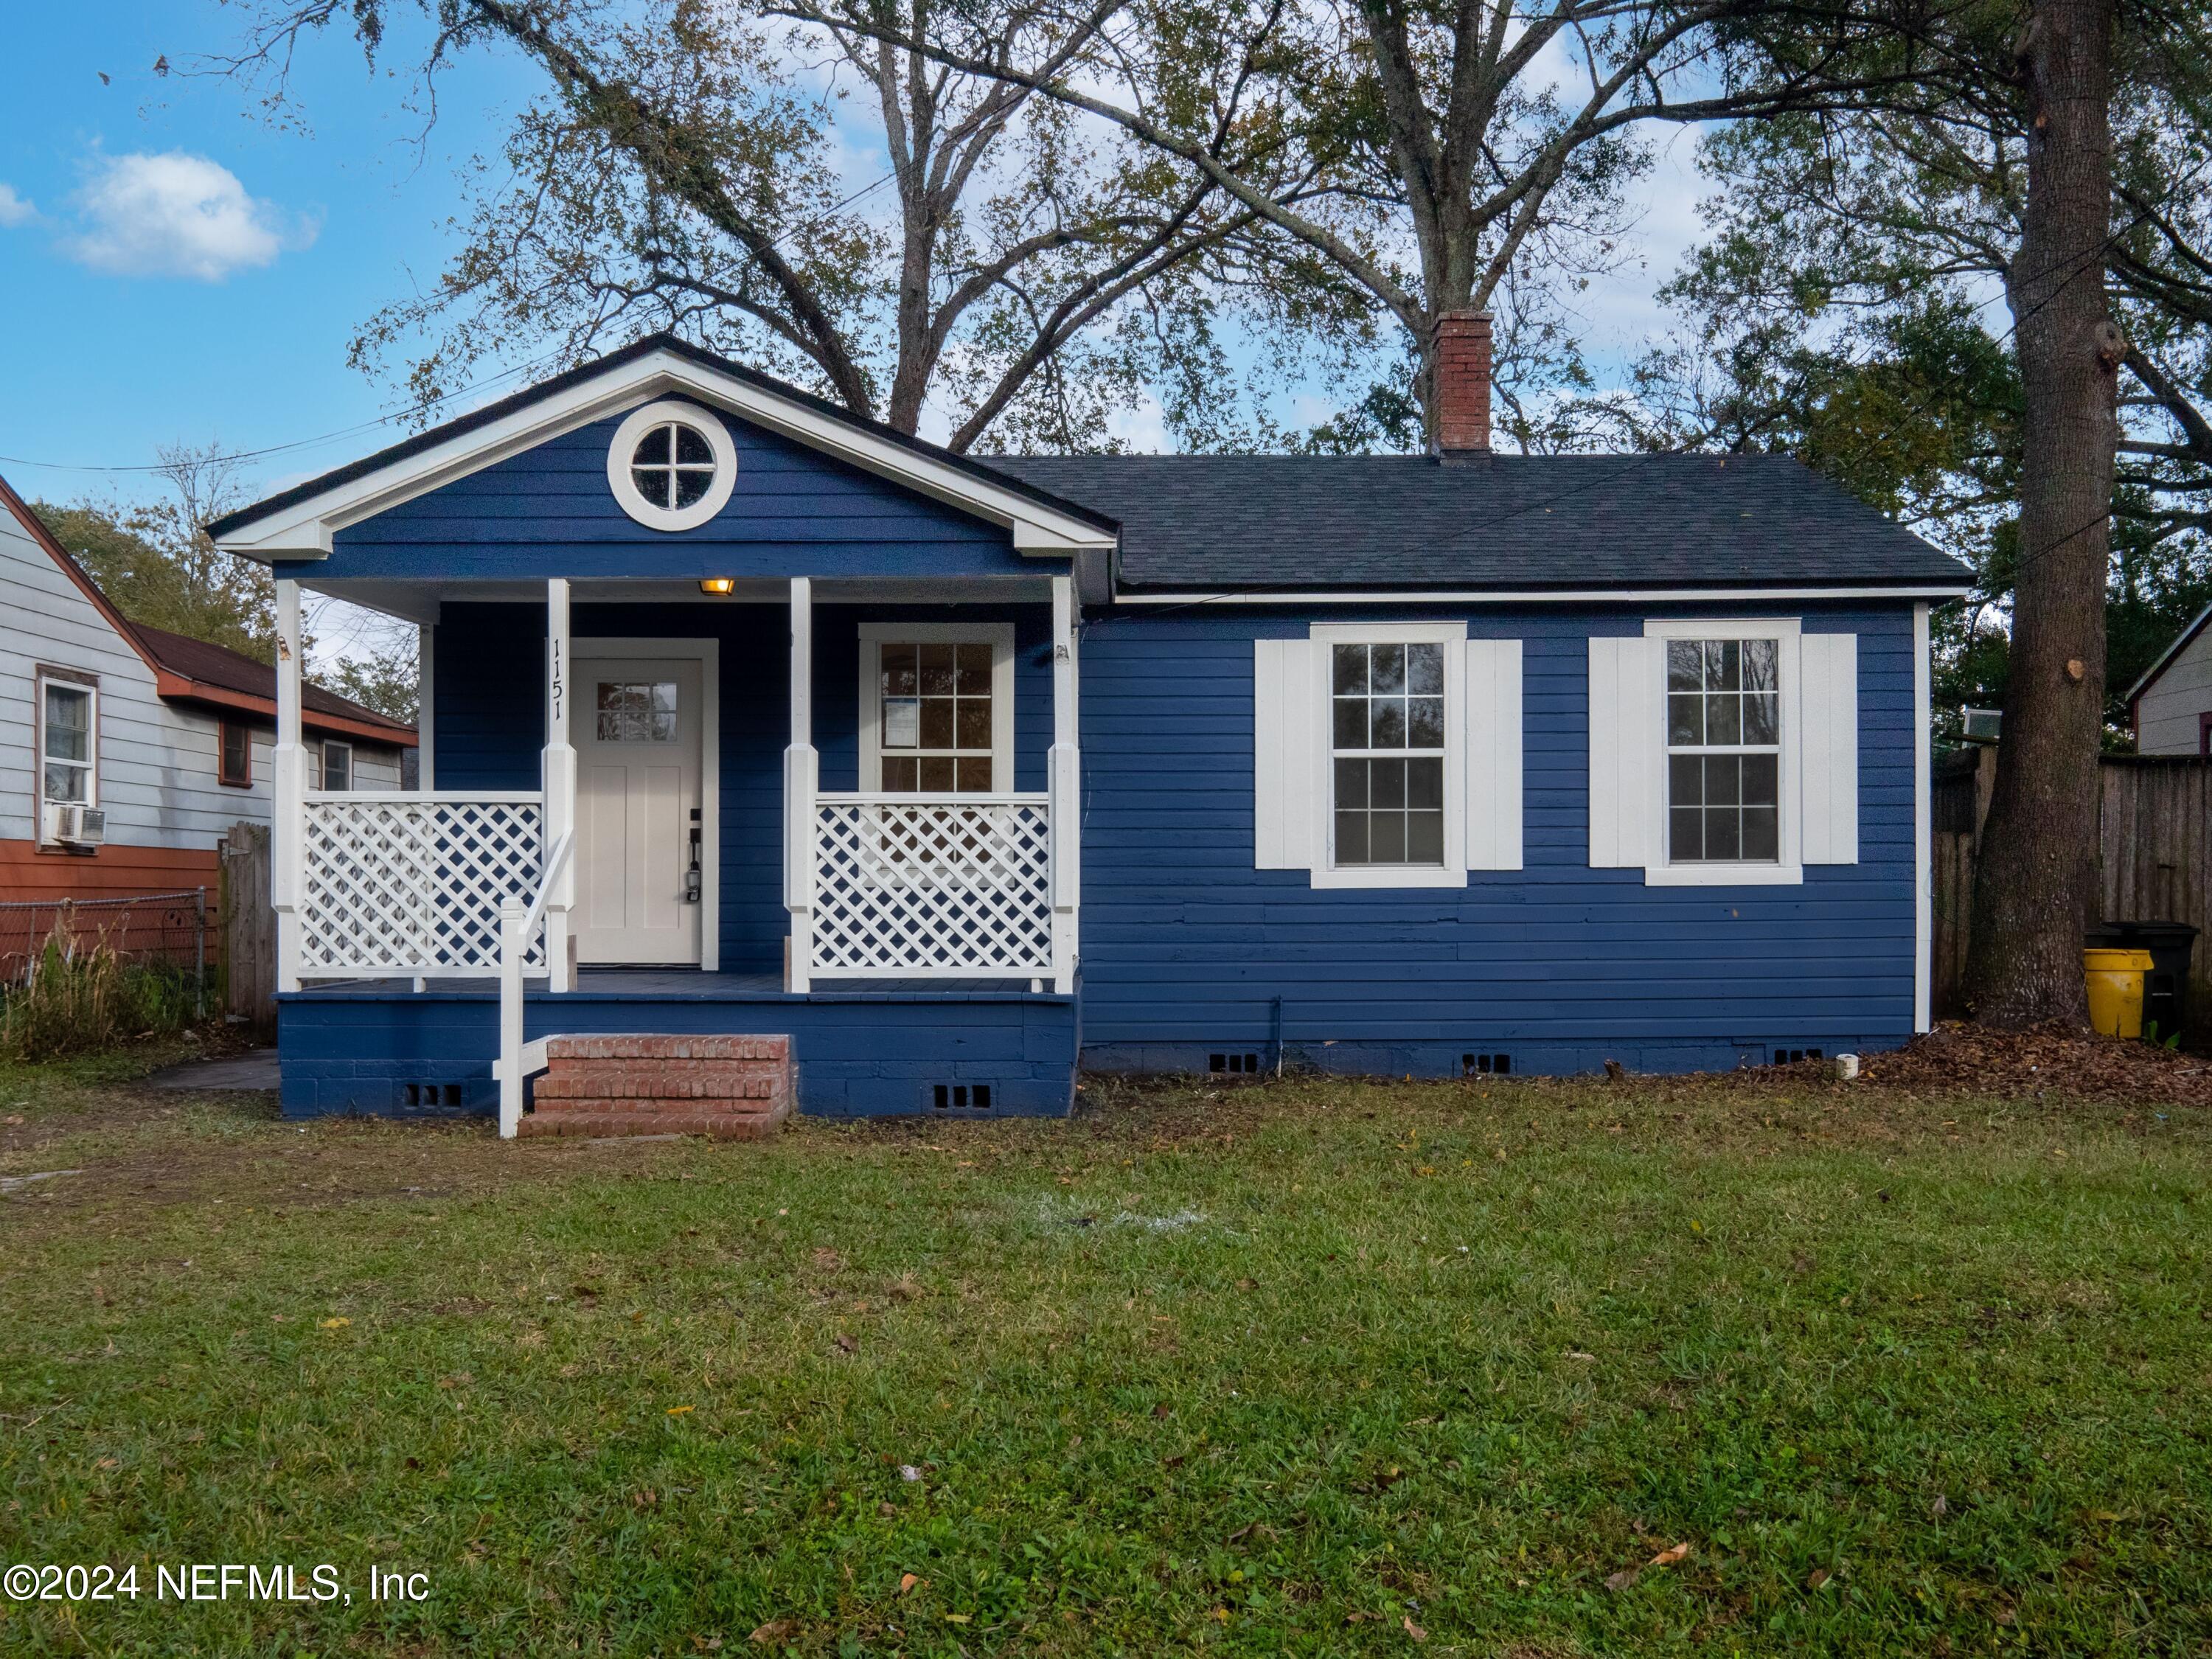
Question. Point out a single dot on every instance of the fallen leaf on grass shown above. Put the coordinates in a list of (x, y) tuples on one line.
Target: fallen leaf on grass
[(1577, 1353), (1941, 1507), (1160, 1410), (1820, 1577), (679, 1411), (1621, 1580), (908, 1472), (1414, 1630), (850, 1344), (1247, 1284), (336, 1324), (958, 1618), (1667, 1557), (775, 1631), (907, 1581)]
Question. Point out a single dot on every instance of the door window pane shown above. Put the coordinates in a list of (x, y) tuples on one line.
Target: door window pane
[(635, 711)]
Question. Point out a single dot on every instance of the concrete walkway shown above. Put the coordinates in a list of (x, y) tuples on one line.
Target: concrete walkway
[(255, 1069)]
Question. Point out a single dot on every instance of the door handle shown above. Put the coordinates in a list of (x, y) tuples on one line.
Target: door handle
[(692, 878)]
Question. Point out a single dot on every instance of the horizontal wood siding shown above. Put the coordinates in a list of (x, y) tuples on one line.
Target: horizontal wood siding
[(2168, 716), (1187, 949), (157, 762), (28, 872), (490, 719), (549, 512)]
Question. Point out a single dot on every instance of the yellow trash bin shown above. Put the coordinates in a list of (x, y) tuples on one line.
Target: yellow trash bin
[(2116, 990)]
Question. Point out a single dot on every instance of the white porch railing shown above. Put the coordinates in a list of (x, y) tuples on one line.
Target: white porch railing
[(414, 882), (931, 887)]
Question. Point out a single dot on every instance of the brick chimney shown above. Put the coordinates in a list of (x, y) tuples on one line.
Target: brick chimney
[(1463, 384)]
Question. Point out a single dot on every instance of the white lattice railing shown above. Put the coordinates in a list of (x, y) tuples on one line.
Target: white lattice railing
[(933, 886), (413, 883)]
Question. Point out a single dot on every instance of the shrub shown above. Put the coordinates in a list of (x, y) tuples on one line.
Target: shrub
[(74, 997)]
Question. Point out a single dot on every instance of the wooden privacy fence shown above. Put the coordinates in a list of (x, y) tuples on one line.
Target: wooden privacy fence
[(249, 925), (2155, 858)]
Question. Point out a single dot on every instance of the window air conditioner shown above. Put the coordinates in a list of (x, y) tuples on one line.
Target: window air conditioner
[(73, 825), (1980, 725)]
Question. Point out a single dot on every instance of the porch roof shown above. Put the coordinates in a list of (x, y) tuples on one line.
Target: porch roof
[(300, 523)]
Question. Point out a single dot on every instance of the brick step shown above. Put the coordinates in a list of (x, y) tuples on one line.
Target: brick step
[(721, 1125), (662, 1080), (736, 1088)]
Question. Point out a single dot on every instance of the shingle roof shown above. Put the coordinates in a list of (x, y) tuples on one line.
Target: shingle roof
[(220, 667), (1299, 523)]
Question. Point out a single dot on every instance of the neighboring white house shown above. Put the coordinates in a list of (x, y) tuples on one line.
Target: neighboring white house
[(2171, 706), (163, 740)]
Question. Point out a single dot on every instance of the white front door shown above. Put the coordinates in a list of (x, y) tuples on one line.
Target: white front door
[(635, 725)]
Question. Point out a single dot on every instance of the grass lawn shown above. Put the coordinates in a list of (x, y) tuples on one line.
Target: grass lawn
[(1306, 1368)]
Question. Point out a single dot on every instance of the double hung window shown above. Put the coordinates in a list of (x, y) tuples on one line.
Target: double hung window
[(1723, 750)]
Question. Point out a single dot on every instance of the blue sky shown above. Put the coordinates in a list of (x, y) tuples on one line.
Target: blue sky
[(182, 269), (176, 268)]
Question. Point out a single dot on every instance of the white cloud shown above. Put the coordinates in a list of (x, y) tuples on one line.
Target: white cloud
[(175, 214), (14, 209)]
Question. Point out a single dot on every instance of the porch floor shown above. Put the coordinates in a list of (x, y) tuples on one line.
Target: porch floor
[(690, 985)]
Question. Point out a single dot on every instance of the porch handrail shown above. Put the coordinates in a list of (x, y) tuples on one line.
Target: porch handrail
[(518, 925)]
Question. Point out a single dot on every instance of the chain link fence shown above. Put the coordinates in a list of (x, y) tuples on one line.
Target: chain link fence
[(168, 928)]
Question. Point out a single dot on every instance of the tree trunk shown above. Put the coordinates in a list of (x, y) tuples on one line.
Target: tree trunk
[(2036, 884)]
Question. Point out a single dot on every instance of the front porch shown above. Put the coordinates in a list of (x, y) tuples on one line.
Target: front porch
[(916, 946)]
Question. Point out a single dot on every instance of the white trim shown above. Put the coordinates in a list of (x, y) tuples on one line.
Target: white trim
[(667, 412), (91, 761), (1547, 596), (288, 767), (1493, 745), (426, 705), (1788, 871), (323, 748), (1285, 812), (802, 784), (708, 654), (999, 636), (1923, 820), (1452, 872), (305, 529)]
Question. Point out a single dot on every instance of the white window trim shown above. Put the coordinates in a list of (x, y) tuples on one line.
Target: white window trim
[(322, 764), (1789, 870), (999, 636), (625, 446), (91, 690), (1452, 872)]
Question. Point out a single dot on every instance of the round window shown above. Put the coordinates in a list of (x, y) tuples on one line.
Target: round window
[(671, 465)]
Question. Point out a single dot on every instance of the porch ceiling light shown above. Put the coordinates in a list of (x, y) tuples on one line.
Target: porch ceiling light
[(717, 584)]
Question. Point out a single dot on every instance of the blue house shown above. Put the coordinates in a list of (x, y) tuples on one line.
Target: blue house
[(943, 778)]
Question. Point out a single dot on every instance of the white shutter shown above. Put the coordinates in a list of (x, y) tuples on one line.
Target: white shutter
[(1493, 754), (1828, 748), (1286, 739), (1627, 744)]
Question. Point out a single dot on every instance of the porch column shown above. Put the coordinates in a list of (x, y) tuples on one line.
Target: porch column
[(1066, 783), (288, 826), (426, 706), (802, 778), (560, 775)]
